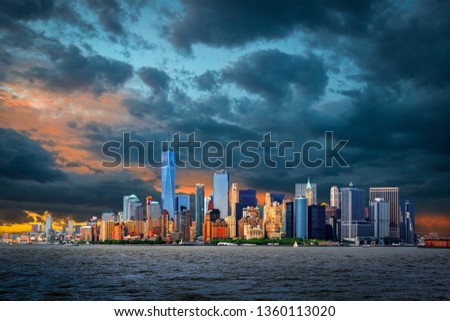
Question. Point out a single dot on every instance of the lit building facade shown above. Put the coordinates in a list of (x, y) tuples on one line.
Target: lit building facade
[(308, 190), (391, 195), (168, 182), (199, 208), (334, 196), (221, 192)]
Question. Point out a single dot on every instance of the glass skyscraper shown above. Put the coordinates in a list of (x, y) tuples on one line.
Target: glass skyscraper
[(301, 217), (182, 200), (221, 192), (199, 208), (168, 182), (353, 220), (407, 222)]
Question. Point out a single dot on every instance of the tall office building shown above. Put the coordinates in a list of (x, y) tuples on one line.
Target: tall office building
[(379, 216), (353, 220), (334, 196), (108, 215), (132, 208), (199, 208), (289, 219), (308, 191), (316, 222), (232, 221), (221, 192), (182, 200), (301, 217), (407, 222), (391, 195), (207, 200), (234, 198), (168, 182), (48, 224), (70, 225)]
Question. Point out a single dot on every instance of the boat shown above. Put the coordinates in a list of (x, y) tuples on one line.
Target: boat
[(226, 244), (295, 244)]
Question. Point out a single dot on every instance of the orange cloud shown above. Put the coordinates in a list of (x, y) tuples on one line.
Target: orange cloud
[(35, 218), (433, 222)]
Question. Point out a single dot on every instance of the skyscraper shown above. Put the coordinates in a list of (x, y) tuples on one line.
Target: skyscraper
[(407, 223), (182, 200), (48, 224), (199, 208), (70, 225), (308, 191), (221, 192), (379, 216), (353, 221), (301, 217), (168, 182), (132, 210), (391, 195), (232, 221), (289, 219), (316, 222), (234, 198), (334, 196)]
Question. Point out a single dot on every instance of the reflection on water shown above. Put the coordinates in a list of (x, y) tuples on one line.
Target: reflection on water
[(108, 272)]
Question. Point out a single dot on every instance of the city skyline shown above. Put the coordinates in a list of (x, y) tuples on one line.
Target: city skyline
[(74, 76)]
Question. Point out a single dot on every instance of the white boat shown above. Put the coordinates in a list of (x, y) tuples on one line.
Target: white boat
[(295, 244)]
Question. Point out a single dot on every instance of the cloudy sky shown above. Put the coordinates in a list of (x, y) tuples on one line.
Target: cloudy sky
[(76, 74)]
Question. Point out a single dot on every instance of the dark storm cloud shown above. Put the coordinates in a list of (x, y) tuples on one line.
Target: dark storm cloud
[(31, 181), (71, 70), (207, 81), (80, 196), (156, 79), (27, 9), (412, 48), (22, 158), (232, 23), (272, 73), (109, 14)]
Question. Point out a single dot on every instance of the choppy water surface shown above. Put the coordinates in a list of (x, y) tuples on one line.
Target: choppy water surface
[(105, 272)]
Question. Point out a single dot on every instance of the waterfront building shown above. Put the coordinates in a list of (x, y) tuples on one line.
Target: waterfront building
[(164, 226), (86, 233), (250, 226), (273, 222), (354, 225), (199, 208), (168, 182), (213, 227), (407, 222), (70, 227), (391, 195), (301, 217), (106, 230), (379, 215), (48, 224), (231, 221), (316, 222), (221, 192), (289, 219)]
